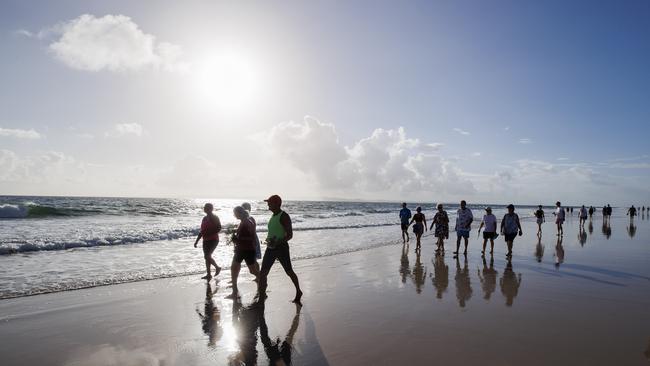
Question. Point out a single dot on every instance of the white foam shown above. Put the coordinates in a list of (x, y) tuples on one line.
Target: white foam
[(13, 211)]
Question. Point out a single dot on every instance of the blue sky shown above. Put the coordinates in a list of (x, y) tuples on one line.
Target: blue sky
[(500, 101)]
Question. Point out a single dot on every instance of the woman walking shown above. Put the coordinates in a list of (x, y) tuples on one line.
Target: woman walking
[(210, 228), (441, 222), (419, 227)]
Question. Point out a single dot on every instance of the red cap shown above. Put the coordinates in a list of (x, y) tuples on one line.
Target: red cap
[(274, 199)]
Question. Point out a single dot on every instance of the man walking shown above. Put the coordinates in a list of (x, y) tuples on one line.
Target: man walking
[(464, 220), (405, 216)]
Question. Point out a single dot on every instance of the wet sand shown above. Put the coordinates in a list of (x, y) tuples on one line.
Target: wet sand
[(585, 302)]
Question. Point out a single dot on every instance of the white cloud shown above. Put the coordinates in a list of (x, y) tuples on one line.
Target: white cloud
[(562, 159), (525, 141), (111, 42), (476, 154), (630, 165), (125, 129), (460, 131), (20, 134), (507, 128)]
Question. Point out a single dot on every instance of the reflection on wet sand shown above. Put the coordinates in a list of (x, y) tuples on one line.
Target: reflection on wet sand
[(607, 230), (404, 269), (488, 278), (539, 250), (463, 283), (631, 229), (582, 236), (510, 284), (440, 277), (591, 226), (210, 318), (647, 351), (418, 274), (559, 252), (279, 351)]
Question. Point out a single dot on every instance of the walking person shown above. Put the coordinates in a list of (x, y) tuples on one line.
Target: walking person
[(559, 218), (210, 228), (591, 211), (510, 227), (631, 212), (405, 216), (540, 218), (258, 249), (419, 227), (441, 222), (583, 216), (244, 240), (464, 220), (490, 233), (280, 231)]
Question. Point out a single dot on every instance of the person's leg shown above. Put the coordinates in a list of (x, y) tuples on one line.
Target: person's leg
[(485, 240), (235, 267), (403, 235), (458, 237), (284, 258), (267, 263), (466, 243), (509, 244), (491, 245)]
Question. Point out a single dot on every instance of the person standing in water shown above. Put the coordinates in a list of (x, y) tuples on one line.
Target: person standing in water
[(280, 231), (540, 218), (631, 212), (591, 211), (583, 216), (244, 240), (419, 227), (490, 233), (510, 227), (258, 249), (559, 218), (464, 220), (210, 228), (441, 222), (405, 216)]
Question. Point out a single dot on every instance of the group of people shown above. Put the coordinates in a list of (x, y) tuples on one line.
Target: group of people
[(510, 227), (247, 245)]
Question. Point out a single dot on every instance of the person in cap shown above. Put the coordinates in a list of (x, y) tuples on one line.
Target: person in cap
[(539, 215), (490, 233), (279, 233), (210, 228), (510, 227)]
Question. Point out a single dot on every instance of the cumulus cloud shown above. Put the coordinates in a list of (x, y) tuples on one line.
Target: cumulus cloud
[(126, 129), (385, 161), (20, 134), (461, 131), (111, 42)]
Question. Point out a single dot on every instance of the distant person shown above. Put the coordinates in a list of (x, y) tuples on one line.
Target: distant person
[(591, 211), (609, 211), (419, 227), (583, 216), (559, 218), (441, 222), (510, 227), (490, 233), (405, 216), (244, 240), (571, 209), (258, 249), (540, 219), (210, 228), (464, 220), (280, 231), (631, 212)]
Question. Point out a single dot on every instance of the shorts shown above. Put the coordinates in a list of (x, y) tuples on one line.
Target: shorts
[(487, 235), (247, 255), (510, 237), (559, 221), (463, 233), (418, 228), (540, 220), (209, 246), (281, 253), (405, 226)]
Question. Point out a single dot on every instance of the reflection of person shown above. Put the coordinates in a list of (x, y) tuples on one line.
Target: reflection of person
[(607, 229), (539, 250), (488, 278), (441, 221), (440, 275), (244, 240), (210, 319), (404, 217), (463, 283), (280, 231), (582, 236), (464, 220), (490, 233), (419, 273), (404, 268), (279, 351), (631, 229), (510, 284), (245, 321), (559, 253), (210, 227), (419, 227)]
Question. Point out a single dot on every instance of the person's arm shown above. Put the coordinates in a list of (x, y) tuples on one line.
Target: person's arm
[(481, 226), (543, 217), (424, 219), (197, 239), (471, 220), (285, 220), (519, 226), (433, 222), (410, 222), (503, 223)]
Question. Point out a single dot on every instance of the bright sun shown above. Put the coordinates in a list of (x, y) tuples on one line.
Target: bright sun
[(227, 80)]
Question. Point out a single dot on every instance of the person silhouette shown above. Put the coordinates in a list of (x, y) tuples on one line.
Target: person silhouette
[(510, 284), (418, 274), (279, 351), (246, 321), (488, 278), (440, 276), (419, 227), (404, 268), (539, 250), (631, 229), (210, 318), (582, 236), (463, 283), (607, 229), (441, 222), (559, 253)]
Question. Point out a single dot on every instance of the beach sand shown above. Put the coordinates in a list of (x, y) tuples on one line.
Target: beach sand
[(580, 304)]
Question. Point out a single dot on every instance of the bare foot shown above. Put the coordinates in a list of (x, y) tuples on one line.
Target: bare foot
[(296, 300), (217, 271), (207, 277)]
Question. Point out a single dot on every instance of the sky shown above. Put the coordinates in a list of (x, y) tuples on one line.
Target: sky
[(435, 101)]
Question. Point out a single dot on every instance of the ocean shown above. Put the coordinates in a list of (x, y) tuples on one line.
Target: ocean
[(50, 244)]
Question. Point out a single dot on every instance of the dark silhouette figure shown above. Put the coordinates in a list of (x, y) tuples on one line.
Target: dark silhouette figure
[(607, 229), (539, 250), (404, 267), (440, 278), (582, 236), (279, 351), (418, 274), (488, 278), (590, 227), (210, 318), (246, 320), (510, 284), (463, 283), (559, 253), (631, 229)]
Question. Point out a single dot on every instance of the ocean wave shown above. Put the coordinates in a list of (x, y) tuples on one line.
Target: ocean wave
[(330, 215), (8, 211)]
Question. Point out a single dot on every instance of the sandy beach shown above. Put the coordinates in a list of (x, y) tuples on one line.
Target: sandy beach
[(582, 303)]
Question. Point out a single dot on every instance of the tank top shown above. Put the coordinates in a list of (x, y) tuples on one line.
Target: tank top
[(276, 230), (208, 226), (510, 224)]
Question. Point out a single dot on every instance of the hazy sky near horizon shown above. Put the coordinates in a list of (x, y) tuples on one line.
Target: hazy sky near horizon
[(501, 101)]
